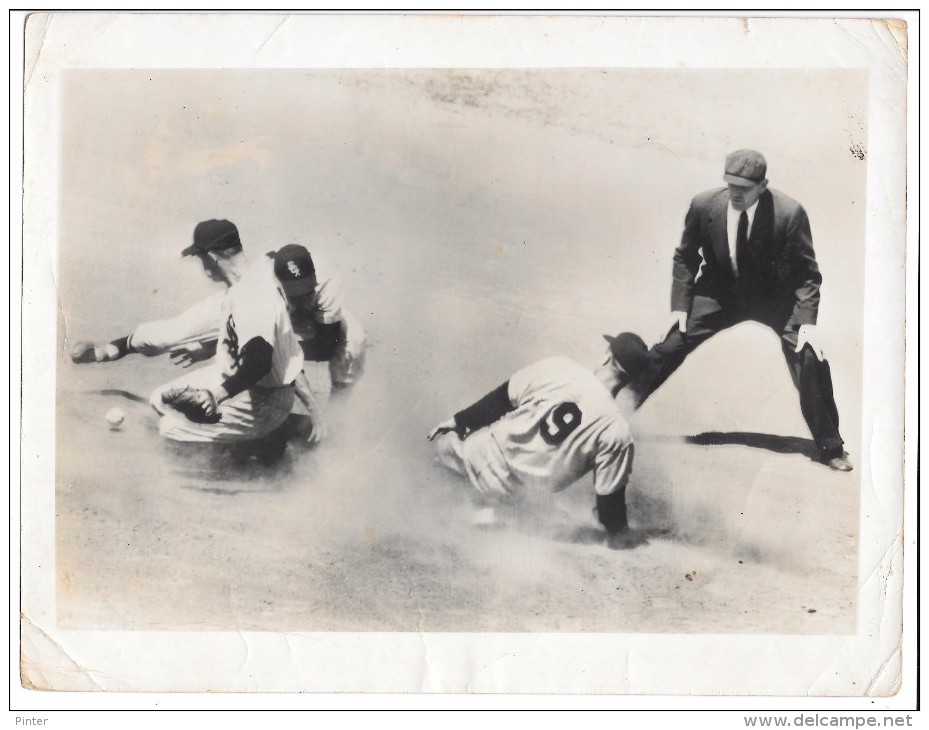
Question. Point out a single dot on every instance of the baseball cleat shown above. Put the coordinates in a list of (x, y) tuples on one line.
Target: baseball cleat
[(84, 352)]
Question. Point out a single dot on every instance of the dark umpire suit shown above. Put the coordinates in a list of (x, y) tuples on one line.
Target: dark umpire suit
[(776, 283)]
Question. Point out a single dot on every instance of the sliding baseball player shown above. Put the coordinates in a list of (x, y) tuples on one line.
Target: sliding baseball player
[(547, 426)]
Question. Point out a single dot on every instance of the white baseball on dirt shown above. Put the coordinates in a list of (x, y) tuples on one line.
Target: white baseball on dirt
[(115, 417)]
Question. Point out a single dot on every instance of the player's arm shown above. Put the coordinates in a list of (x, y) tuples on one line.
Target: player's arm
[(318, 427), (325, 341), (201, 405), (612, 470), (492, 407), (254, 363), (328, 323)]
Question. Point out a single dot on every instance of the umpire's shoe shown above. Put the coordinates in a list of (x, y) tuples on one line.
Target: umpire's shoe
[(837, 460)]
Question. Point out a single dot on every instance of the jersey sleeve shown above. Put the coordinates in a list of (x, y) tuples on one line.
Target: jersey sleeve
[(330, 294), (613, 463), (492, 407), (255, 362)]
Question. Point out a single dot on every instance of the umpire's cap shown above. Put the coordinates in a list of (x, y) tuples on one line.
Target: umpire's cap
[(293, 267), (745, 167), (629, 350), (213, 235)]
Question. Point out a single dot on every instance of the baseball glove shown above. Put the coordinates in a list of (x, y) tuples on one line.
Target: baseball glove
[(198, 404)]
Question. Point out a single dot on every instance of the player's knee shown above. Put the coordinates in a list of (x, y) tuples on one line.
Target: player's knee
[(177, 429)]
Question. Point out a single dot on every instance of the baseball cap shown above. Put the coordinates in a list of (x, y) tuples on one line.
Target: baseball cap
[(293, 267), (213, 235), (745, 167), (629, 350)]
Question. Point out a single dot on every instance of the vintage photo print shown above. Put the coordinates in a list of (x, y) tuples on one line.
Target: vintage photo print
[(569, 366)]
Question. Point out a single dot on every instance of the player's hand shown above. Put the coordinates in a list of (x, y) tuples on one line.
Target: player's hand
[(809, 335), (303, 321), (197, 404), (443, 428), (190, 354), (319, 429), (625, 539), (350, 366)]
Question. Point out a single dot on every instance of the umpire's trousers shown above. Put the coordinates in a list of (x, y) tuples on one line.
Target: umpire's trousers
[(812, 377)]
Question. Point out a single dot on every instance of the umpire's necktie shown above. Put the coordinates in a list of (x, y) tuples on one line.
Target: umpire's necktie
[(741, 242)]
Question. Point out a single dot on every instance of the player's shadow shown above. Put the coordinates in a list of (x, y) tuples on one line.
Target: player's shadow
[(767, 441), (121, 394)]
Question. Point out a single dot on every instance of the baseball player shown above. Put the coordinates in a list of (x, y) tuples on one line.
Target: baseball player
[(547, 426), (246, 392), (326, 330)]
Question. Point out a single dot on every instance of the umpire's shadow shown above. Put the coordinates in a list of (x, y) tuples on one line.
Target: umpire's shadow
[(767, 441)]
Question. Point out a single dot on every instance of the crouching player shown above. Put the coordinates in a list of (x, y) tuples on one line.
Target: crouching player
[(245, 393), (325, 328)]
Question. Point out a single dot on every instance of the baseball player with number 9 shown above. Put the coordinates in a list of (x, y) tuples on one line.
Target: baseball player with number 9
[(546, 427)]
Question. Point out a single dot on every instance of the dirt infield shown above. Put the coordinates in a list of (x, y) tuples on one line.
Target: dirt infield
[(480, 221)]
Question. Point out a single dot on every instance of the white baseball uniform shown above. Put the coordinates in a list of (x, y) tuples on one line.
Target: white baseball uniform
[(254, 306), (347, 363), (564, 424), (198, 324)]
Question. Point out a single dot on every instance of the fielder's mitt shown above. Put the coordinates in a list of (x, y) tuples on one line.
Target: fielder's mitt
[(198, 404)]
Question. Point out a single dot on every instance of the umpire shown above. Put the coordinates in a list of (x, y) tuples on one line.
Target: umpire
[(758, 264)]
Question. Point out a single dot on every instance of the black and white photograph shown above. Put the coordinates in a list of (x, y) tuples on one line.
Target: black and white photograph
[(568, 361)]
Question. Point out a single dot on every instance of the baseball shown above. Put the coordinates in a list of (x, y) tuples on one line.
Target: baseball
[(115, 417)]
